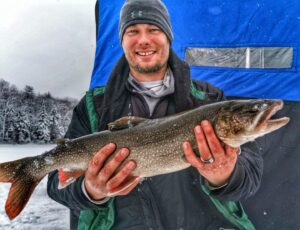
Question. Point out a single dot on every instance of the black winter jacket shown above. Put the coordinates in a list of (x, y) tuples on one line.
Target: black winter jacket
[(171, 201)]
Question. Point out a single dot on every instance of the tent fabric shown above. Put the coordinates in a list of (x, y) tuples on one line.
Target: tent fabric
[(218, 24)]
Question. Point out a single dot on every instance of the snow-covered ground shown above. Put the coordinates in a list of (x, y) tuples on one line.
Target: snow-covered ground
[(40, 212)]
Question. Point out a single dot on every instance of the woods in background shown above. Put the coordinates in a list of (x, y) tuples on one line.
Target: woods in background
[(29, 117)]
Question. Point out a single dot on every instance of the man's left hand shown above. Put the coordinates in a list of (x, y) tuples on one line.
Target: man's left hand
[(216, 163)]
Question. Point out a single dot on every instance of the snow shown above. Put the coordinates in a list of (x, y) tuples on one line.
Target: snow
[(41, 212)]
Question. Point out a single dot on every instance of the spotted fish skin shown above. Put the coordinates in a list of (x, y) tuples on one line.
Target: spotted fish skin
[(155, 145)]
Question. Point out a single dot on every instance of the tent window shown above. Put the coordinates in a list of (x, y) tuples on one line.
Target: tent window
[(241, 57)]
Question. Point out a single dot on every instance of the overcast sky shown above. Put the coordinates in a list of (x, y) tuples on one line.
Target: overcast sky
[(48, 44)]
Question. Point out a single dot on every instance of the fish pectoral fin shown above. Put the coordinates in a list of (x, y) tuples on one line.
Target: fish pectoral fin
[(125, 186), (67, 177), (125, 122)]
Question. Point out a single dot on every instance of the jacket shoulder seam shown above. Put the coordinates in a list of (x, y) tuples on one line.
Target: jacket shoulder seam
[(92, 114), (198, 94)]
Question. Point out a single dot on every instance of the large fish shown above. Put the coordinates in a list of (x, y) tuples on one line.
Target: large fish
[(156, 145)]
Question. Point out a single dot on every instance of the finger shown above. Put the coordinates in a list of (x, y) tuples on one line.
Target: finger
[(121, 176), (213, 142), (98, 160), (108, 170), (125, 187), (191, 156), (203, 148)]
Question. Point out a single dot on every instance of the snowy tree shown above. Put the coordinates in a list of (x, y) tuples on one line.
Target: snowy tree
[(2, 118), (8, 100), (56, 130), (66, 120), (28, 93), (8, 119), (4, 106), (26, 116), (41, 131), (10, 134), (22, 128), (4, 89)]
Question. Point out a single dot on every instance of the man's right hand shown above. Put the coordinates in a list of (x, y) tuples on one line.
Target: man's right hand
[(101, 178)]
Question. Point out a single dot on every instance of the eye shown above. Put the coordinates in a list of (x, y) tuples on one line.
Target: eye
[(131, 32), (154, 30)]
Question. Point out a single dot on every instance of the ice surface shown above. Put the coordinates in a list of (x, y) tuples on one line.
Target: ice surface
[(41, 212)]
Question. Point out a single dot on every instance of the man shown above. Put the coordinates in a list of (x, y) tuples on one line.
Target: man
[(151, 81)]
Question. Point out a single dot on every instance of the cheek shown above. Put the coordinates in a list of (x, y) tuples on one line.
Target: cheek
[(128, 46), (166, 49), (166, 52)]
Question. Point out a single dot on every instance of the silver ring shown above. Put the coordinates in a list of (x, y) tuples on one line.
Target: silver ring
[(208, 161)]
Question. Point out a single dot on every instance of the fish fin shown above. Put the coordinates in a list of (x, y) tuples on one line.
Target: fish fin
[(23, 184), (122, 187), (18, 196), (125, 122), (67, 177)]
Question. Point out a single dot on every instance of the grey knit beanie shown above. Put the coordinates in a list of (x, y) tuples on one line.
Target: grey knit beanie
[(145, 12)]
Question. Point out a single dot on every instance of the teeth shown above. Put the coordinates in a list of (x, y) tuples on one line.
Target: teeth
[(145, 53)]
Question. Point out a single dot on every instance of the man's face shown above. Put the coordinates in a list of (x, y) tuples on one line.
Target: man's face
[(146, 48)]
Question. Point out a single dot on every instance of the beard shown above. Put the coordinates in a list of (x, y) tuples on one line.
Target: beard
[(151, 69)]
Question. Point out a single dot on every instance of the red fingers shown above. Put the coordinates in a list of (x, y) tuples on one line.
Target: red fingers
[(121, 175), (107, 173), (216, 163), (98, 160), (109, 169)]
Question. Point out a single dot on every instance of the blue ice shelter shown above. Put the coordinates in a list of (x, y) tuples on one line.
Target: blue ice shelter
[(250, 49)]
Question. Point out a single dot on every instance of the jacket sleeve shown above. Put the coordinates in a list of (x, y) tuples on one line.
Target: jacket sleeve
[(72, 196), (246, 177)]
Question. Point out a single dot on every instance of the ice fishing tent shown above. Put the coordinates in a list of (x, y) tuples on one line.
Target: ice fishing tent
[(249, 49)]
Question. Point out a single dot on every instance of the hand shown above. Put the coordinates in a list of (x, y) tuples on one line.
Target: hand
[(223, 160), (101, 179)]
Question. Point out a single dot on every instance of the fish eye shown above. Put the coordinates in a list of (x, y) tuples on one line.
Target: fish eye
[(260, 107), (263, 106)]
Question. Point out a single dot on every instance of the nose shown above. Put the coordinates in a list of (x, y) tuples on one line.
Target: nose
[(144, 39)]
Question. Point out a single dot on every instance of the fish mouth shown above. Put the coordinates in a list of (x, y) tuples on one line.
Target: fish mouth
[(267, 123)]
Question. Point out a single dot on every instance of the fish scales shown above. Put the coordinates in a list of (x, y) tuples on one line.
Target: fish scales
[(155, 145)]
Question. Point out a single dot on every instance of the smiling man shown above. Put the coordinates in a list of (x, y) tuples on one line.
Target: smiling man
[(150, 81)]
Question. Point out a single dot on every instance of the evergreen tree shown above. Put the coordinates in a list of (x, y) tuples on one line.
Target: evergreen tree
[(22, 128), (41, 132), (10, 134), (28, 93), (8, 129), (24, 117), (56, 130), (66, 121), (4, 89)]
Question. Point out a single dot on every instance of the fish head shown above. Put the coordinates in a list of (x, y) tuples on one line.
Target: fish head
[(242, 121)]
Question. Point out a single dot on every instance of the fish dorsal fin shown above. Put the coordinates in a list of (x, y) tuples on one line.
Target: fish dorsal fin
[(125, 122)]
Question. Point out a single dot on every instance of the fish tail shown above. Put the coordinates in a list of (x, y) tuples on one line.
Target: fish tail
[(23, 184)]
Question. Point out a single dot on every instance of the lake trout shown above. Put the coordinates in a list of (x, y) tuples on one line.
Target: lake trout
[(155, 145)]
